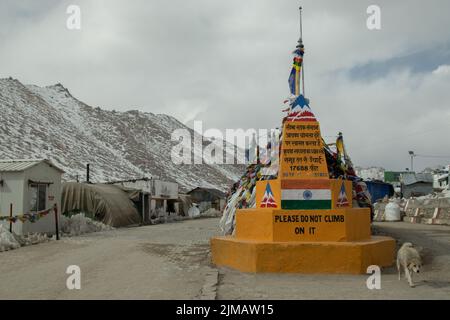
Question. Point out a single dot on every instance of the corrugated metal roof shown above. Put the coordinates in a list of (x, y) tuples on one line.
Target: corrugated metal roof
[(214, 192), (18, 165), (411, 177)]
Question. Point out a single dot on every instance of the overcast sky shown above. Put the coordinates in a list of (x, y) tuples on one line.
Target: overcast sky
[(227, 63)]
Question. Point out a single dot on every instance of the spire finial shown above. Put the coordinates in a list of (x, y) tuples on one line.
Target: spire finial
[(300, 41)]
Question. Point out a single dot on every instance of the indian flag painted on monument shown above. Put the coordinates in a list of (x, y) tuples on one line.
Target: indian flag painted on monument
[(306, 194)]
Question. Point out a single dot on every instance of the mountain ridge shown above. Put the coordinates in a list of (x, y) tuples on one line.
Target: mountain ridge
[(48, 122)]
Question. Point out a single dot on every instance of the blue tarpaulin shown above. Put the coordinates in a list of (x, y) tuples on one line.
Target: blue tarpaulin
[(378, 190)]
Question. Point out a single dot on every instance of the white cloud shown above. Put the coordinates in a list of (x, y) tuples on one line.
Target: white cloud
[(226, 63), (442, 70)]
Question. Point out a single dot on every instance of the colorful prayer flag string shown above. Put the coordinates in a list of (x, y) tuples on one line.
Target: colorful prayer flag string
[(31, 217)]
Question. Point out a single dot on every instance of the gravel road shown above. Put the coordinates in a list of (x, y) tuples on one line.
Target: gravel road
[(166, 261), (172, 261)]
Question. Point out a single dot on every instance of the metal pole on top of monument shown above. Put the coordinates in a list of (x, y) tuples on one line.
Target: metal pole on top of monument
[(300, 42), (301, 30)]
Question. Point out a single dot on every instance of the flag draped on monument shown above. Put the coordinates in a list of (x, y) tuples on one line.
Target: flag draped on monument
[(299, 106), (294, 77)]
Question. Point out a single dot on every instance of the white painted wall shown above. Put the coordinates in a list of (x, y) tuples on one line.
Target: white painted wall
[(16, 190), (43, 172), (12, 191), (143, 185), (164, 189), (157, 188)]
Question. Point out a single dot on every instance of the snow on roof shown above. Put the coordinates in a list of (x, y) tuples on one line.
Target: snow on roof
[(411, 178), (215, 192), (17, 165)]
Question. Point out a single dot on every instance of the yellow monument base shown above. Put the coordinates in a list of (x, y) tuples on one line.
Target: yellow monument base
[(302, 257), (303, 241), (303, 221)]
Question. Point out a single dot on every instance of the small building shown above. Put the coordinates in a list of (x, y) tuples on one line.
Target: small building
[(208, 198), (157, 196), (416, 184), (442, 182), (441, 179), (371, 173), (393, 177), (30, 186)]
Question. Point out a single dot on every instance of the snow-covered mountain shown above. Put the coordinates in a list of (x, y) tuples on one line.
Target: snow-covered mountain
[(48, 122)]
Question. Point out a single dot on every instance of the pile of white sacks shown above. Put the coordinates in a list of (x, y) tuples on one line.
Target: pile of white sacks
[(430, 209), (70, 226), (388, 210)]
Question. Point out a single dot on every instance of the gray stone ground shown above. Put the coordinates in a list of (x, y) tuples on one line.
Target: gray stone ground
[(172, 261)]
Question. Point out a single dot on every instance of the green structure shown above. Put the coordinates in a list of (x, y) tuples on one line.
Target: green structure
[(393, 177)]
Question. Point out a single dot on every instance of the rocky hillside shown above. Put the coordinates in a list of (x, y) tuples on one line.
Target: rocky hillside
[(48, 122)]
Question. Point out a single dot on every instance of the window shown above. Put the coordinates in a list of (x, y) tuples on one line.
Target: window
[(38, 197)]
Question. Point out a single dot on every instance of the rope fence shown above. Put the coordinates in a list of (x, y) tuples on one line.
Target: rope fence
[(31, 217)]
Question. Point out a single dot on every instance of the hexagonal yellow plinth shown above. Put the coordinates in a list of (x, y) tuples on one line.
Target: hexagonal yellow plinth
[(303, 241), (303, 257)]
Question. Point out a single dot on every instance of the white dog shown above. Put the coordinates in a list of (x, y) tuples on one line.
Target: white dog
[(409, 259)]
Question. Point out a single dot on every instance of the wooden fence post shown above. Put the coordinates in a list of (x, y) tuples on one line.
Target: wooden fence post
[(55, 208), (10, 216)]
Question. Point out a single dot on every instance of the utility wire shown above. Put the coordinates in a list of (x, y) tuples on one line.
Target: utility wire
[(429, 156)]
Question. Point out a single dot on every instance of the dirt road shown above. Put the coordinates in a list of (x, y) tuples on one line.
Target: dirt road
[(172, 261), (167, 261)]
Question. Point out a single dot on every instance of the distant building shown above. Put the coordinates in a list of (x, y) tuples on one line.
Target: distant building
[(156, 196), (372, 173), (416, 184), (393, 177), (441, 182), (441, 179), (208, 198), (30, 186)]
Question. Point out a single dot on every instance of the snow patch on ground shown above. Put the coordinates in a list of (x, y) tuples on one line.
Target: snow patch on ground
[(79, 224), (7, 240), (11, 241), (211, 212), (74, 226)]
